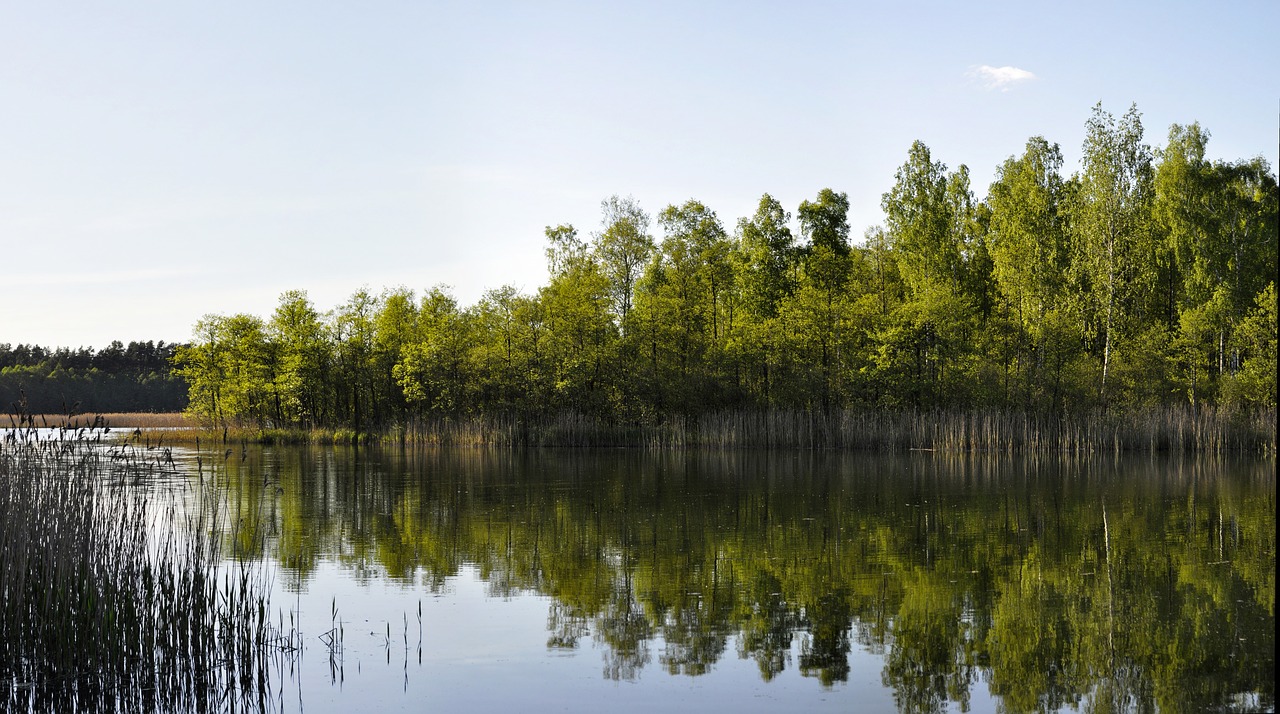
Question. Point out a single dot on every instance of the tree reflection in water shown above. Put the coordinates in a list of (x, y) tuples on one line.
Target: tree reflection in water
[(1056, 582)]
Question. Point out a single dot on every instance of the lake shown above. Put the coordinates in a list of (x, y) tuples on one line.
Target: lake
[(630, 580)]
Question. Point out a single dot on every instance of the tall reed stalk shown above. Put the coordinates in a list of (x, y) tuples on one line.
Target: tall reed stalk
[(108, 603), (1203, 430)]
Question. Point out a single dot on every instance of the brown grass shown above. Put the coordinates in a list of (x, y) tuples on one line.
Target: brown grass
[(1170, 429), (1175, 429), (116, 420)]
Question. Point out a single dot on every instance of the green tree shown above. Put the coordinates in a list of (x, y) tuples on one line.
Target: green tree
[(1030, 252), (508, 360), (434, 371), (354, 332), (672, 314), (767, 255), (818, 307), (623, 247), (201, 364), (933, 226), (395, 326), (228, 366), (920, 220), (768, 261), (825, 222), (1256, 339), (1111, 220), (304, 357), (581, 338), (969, 225)]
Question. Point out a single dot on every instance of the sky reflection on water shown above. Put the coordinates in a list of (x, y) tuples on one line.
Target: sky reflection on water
[(580, 581)]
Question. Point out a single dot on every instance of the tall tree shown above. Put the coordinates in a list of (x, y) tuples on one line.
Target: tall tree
[(708, 248), (1257, 339), (1110, 218), (1029, 252), (581, 336), (819, 306), (825, 222), (304, 360), (228, 366), (768, 260), (1183, 185), (433, 371), (395, 326), (768, 255), (932, 223), (683, 292), (354, 332), (624, 247), (508, 352), (1028, 236), (920, 223)]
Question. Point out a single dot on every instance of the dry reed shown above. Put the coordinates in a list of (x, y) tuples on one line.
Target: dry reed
[(118, 420), (1176, 430)]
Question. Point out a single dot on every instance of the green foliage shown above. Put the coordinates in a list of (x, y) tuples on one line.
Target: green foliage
[(117, 378), (1256, 338), (920, 219), (1138, 283), (581, 335), (623, 247), (230, 368), (767, 255), (433, 369), (1029, 234), (825, 222), (1113, 231), (303, 361)]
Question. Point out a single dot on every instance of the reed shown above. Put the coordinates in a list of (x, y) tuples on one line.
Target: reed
[(108, 602), (1178, 430), (1158, 429), (119, 420)]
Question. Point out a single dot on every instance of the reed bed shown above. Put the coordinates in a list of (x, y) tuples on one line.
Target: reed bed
[(1162, 429), (118, 420), (109, 603), (1176, 430)]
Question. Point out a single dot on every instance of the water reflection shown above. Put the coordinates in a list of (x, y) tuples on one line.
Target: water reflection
[(1097, 584)]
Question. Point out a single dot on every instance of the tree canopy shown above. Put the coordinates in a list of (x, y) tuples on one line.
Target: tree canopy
[(1145, 279)]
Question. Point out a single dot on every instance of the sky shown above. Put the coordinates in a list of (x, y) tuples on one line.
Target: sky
[(160, 161)]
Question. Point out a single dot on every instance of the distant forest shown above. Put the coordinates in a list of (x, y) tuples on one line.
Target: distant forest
[(1145, 280), (138, 377)]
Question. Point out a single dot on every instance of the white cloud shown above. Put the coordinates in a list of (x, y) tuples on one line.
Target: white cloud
[(1002, 78)]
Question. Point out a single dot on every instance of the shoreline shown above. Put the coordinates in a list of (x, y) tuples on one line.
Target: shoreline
[(1154, 430)]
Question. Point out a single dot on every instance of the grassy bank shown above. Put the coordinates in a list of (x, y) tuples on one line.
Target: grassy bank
[(114, 420), (1175, 430), (107, 603)]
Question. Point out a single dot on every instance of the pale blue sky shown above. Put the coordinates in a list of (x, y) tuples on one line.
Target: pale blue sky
[(162, 160)]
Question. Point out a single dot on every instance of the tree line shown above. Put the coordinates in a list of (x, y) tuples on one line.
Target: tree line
[(1146, 279), (117, 378)]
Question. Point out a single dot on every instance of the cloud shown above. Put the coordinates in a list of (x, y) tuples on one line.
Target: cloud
[(1001, 78)]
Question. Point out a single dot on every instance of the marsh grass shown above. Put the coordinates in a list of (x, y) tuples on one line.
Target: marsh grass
[(1176, 430), (1159, 429), (117, 420), (112, 602)]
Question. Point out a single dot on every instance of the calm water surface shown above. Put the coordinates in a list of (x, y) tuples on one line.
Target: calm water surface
[(631, 581)]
